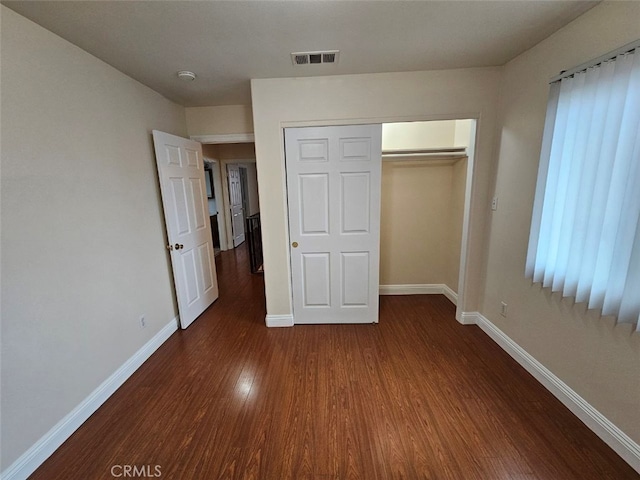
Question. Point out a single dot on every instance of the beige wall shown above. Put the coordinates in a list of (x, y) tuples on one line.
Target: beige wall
[(221, 120), (390, 97), (83, 248), (421, 222), (462, 133), (252, 194), (597, 359), (236, 151), (417, 135)]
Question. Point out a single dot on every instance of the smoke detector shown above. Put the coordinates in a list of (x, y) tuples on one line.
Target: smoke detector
[(315, 58), (186, 75)]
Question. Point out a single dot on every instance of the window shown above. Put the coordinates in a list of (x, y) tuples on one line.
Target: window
[(585, 232)]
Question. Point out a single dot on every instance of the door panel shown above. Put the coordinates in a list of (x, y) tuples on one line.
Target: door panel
[(314, 208), (354, 202), (205, 258), (189, 268), (198, 198), (181, 174), (333, 189), (193, 157), (180, 212), (355, 279), (173, 157), (314, 150), (315, 274), (355, 149)]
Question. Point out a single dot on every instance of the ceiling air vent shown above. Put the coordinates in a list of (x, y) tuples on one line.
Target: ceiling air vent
[(329, 57), (300, 58), (315, 58)]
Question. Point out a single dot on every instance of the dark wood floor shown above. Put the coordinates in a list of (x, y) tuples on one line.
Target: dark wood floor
[(416, 396)]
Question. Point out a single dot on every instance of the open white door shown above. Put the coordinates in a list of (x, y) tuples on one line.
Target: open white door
[(235, 202), (186, 214), (333, 188)]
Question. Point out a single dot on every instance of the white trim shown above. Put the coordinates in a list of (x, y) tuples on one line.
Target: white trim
[(220, 216), (411, 289), (420, 289), (619, 441), (450, 294), (465, 244), (279, 320), (29, 461), (226, 138), (468, 318)]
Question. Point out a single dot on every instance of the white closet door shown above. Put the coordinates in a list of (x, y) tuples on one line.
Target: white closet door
[(333, 187)]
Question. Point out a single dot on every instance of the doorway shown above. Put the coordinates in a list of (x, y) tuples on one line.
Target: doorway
[(236, 204), (424, 173), (238, 158), (214, 192)]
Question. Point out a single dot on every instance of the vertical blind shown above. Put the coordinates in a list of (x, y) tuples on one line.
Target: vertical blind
[(585, 232)]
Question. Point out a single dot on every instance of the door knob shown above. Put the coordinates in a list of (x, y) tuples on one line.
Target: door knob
[(169, 247), (294, 244)]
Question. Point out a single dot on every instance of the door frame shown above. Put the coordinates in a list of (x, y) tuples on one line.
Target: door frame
[(241, 164), (470, 180), (217, 187), (224, 221), (244, 185), (226, 199)]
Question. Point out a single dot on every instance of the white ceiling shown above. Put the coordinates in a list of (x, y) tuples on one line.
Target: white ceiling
[(229, 42)]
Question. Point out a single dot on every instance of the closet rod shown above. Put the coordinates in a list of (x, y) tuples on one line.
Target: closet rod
[(427, 151)]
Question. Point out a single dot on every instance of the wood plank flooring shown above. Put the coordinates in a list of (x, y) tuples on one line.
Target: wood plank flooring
[(417, 396)]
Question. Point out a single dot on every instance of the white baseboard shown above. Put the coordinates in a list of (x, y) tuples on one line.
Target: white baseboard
[(420, 289), (450, 294), (619, 441), (469, 318), (279, 320), (43, 448)]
